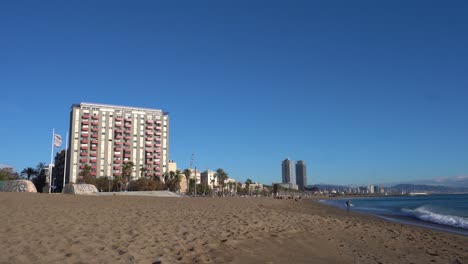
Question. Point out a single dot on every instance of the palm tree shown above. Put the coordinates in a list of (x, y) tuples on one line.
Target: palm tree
[(178, 179), (29, 172), (85, 174), (247, 185), (222, 176), (187, 173), (142, 171), (127, 169)]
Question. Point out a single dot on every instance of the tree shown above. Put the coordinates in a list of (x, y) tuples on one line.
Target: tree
[(222, 176), (85, 175), (248, 182), (187, 173), (29, 172), (143, 170), (7, 174), (40, 179), (127, 169)]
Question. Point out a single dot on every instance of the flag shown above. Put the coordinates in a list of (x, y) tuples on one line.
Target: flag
[(57, 140)]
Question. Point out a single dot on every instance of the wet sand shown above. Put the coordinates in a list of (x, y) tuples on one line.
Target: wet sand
[(44, 228)]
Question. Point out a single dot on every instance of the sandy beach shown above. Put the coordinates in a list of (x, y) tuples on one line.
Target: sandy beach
[(45, 228)]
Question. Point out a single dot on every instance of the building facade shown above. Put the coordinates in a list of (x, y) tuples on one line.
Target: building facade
[(208, 178), (301, 174), (105, 137), (287, 171)]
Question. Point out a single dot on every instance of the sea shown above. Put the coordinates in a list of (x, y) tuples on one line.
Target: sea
[(448, 212)]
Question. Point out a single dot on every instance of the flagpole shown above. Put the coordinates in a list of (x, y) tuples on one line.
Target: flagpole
[(65, 166), (51, 159)]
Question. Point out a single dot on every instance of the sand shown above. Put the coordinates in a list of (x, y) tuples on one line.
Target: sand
[(55, 228)]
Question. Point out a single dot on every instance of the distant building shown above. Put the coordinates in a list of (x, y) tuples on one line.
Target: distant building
[(371, 189), (171, 166), (301, 174), (208, 178), (287, 185), (287, 171)]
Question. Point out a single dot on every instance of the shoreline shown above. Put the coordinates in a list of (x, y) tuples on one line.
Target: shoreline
[(44, 228), (407, 220)]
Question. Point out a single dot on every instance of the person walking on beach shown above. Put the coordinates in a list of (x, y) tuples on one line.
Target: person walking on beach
[(348, 204)]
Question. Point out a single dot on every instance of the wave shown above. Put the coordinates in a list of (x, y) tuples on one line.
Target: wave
[(425, 214)]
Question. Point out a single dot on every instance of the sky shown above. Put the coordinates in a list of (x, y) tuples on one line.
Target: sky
[(362, 91)]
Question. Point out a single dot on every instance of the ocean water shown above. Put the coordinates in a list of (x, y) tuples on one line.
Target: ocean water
[(447, 212)]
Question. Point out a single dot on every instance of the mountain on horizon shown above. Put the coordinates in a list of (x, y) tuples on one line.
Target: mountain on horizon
[(400, 188)]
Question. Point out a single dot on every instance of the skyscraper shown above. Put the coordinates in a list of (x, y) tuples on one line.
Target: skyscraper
[(301, 174), (287, 171), (106, 136)]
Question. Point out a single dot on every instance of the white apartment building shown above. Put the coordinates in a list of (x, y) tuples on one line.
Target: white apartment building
[(107, 136)]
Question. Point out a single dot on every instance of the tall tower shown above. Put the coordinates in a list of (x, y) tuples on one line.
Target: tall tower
[(301, 174), (287, 171), (105, 137)]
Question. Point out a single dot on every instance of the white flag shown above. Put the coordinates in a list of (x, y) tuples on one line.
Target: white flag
[(57, 140)]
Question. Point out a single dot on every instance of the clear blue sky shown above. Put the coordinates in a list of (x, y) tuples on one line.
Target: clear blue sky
[(362, 91)]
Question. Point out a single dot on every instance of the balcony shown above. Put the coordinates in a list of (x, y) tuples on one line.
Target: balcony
[(117, 167), (158, 122), (117, 161), (128, 155), (158, 133), (128, 125), (95, 123), (149, 139), (117, 155), (94, 141), (118, 119), (149, 150), (84, 141), (127, 143), (118, 174), (158, 145), (149, 174), (149, 162), (85, 116), (118, 124), (93, 148), (83, 154), (149, 144), (95, 117), (149, 132), (128, 131), (84, 147), (82, 167), (118, 136), (93, 154), (117, 143), (95, 129), (93, 173), (85, 134), (157, 163), (84, 129), (93, 167), (128, 120), (118, 130), (128, 137), (117, 149), (149, 156), (94, 135), (84, 122), (149, 121), (149, 127)]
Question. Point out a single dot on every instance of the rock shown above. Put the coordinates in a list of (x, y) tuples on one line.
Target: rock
[(17, 186), (80, 189)]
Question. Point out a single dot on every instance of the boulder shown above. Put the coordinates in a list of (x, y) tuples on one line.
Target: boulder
[(17, 186), (80, 189)]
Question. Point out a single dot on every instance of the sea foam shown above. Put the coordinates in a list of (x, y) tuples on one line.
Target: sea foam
[(425, 214)]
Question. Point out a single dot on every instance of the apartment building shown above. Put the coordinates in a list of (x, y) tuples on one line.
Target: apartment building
[(107, 136)]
